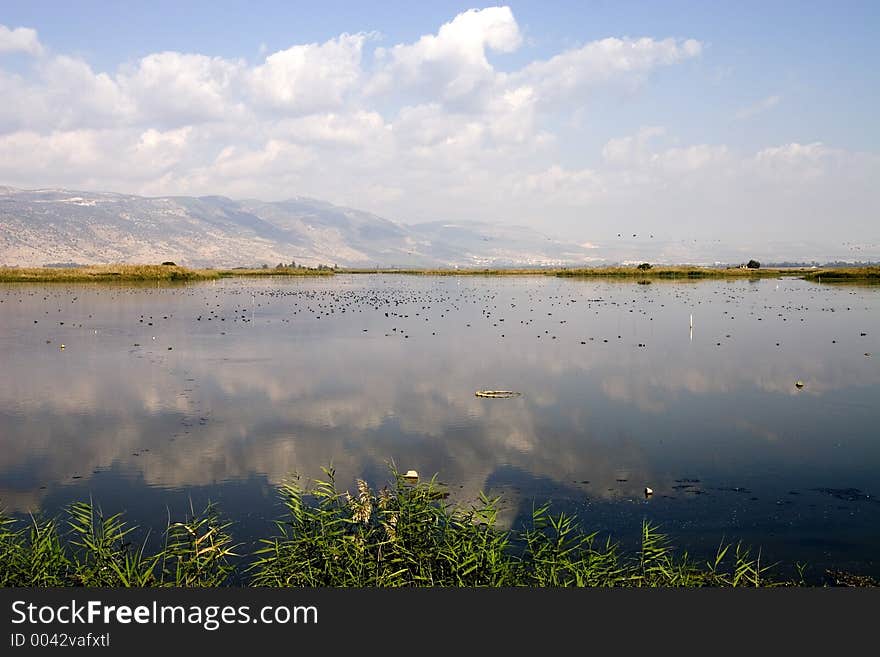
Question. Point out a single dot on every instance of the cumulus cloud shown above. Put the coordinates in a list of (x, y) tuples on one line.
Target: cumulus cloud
[(309, 78), (441, 127), (451, 64), (171, 88), (437, 99), (20, 39)]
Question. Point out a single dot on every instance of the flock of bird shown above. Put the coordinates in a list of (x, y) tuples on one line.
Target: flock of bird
[(441, 307)]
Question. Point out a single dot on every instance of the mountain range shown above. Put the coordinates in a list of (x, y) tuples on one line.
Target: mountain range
[(43, 227), (58, 226)]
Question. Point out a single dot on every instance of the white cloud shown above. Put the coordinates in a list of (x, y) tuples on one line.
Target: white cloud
[(706, 192), (77, 97), (63, 93), (807, 164), (274, 156), (158, 151), (451, 64), (572, 73), (688, 159), (168, 90), (171, 88), (631, 150), (759, 107), (571, 187), (429, 129), (309, 78), (20, 39), (635, 152), (356, 129), (793, 155), (633, 167), (59, 154)]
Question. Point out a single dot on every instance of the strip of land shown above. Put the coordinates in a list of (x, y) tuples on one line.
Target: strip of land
[(135, 272), (641, 272), (147, 273)]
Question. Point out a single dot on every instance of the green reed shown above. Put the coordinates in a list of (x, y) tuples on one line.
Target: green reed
[(405, 534)]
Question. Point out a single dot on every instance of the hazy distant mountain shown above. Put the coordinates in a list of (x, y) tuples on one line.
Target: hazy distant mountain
[(44, 226)]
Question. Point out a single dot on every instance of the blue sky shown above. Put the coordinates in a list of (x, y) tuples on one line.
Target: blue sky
[(729, 108)]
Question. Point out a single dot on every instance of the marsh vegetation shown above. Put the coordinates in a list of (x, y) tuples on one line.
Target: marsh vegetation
[(119, 272), (129, 273), (400, 536)]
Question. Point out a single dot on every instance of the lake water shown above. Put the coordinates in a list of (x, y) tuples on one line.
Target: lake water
[(217, 391)]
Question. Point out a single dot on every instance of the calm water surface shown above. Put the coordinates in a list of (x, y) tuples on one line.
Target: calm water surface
[(217, 391)]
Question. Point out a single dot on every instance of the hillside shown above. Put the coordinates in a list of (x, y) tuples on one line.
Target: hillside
[(51, 226)]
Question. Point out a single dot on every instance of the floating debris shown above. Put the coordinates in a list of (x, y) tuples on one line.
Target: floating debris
[(497, 394)]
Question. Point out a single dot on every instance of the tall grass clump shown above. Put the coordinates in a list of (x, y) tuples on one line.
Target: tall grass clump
[(198, 550), (90, 549), (397, 537)]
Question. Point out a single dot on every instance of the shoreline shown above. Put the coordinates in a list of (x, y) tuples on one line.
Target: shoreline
[(140, 273), (174, 273)]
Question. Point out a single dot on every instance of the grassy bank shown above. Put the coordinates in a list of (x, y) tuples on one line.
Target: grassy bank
[(845, 274), (104, 273), (134, 273), (403, 535)]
